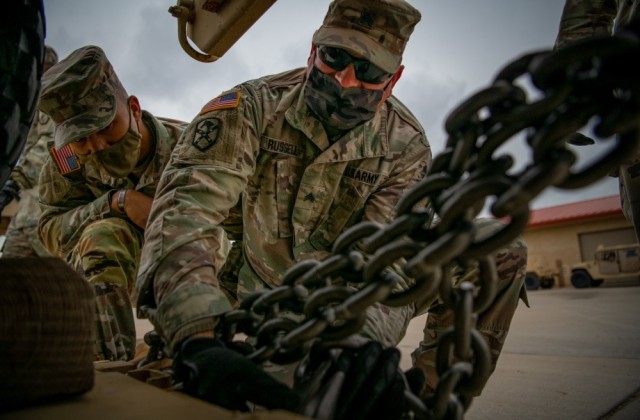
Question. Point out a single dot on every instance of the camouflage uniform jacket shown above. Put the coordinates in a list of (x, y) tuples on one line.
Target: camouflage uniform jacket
[(586, 18), (258, 145), (28, 168), (70, 203)]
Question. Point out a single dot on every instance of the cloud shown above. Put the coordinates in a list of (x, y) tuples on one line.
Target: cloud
[(431, 107), (454, 51)]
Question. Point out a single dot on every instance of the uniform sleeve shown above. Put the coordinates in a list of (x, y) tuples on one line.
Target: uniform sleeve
[(27, 170), (384, 323), (68, 207), (411, 167), (585, 18), (209, 168)]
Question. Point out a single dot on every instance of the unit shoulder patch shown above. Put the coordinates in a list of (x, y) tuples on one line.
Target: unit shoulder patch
[(206, 133), (65, 159), (227, 101)]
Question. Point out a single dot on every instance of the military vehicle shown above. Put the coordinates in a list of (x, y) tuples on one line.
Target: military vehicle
[(213, 26), (535, 280), (612, 266)]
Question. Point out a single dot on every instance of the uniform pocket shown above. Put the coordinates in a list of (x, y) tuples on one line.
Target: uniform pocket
[(345, 211), (287, 183)]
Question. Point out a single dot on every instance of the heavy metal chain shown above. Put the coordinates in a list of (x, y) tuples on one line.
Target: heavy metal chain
[(545, 97)]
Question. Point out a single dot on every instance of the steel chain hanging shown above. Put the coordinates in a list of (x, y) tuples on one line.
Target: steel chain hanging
[(593, 83)]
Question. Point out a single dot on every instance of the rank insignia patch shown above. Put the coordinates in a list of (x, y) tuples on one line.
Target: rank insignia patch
[(207, 132), (65, 159), (226, 101)]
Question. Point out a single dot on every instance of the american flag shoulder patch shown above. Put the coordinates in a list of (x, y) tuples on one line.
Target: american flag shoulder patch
[(65, 159), (226, 101)]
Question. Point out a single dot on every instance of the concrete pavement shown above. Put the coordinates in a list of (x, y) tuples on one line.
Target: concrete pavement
[(575, 354)]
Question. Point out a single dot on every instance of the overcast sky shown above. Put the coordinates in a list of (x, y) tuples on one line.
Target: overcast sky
[(455, 50)]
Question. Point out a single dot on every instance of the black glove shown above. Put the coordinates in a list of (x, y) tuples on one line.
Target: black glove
[(9, 192), (361, 383), (210, 371)]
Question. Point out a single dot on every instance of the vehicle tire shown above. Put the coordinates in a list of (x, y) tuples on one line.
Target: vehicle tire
[(22, 29), (581, 279), (547, 282), (532, 281)]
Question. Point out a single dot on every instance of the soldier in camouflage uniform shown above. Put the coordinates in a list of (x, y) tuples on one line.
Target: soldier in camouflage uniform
[(22, 233), (285, 164), (97, 186), (586, 18)]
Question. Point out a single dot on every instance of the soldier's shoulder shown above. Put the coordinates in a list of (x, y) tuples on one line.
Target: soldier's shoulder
[(400, 109), (43, 118), (401, 118), (64, 162), (167, 132), (266, 86), (173, 123), (281, 80)]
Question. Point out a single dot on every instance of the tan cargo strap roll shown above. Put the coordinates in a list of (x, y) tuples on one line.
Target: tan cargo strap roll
[(46, 331)]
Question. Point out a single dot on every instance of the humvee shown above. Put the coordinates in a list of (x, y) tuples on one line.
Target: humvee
[(612, 266)]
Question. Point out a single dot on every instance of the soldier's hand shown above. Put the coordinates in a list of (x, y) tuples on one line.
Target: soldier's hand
[(136, 206), (212, 372), (10, 191), (360, 383)]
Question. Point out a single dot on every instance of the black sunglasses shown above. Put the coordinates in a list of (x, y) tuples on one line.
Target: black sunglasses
[(338, 59)]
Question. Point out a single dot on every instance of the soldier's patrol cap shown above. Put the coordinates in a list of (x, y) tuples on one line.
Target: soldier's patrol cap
[(50, 56), (377, 30), (79, 94)]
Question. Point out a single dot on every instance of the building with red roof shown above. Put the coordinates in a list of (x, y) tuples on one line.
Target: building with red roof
[(560, 236), (598, 208)]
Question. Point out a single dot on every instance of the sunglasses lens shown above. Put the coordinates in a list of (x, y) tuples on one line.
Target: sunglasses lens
[(338, 59), (370, 73), (335, 58)]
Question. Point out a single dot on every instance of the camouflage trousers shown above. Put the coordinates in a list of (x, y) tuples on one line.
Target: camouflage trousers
[(493, 324), (108, 255), (23, 242)]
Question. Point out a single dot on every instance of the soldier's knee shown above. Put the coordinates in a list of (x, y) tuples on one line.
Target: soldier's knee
[(106, 233), (106, 227), (111, 238), (513, 256), (511, 260), (511, 265)]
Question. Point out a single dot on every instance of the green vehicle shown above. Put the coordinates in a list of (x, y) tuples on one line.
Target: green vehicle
[(616, 265)]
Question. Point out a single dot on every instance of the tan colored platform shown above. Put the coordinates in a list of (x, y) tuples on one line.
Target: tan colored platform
[(116, 396)]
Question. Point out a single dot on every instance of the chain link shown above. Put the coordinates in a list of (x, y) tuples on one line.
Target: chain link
[(592, 83)]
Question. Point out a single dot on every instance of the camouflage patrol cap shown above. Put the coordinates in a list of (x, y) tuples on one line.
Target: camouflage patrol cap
[(79, 94), (377, 30), (50, 56)]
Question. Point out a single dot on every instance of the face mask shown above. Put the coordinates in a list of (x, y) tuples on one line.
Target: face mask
[(338, 107), (120, 158)]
